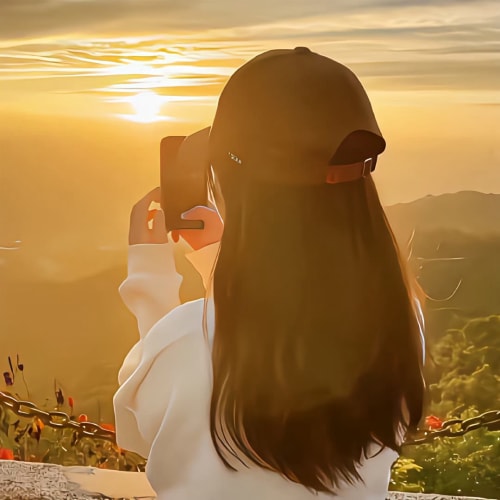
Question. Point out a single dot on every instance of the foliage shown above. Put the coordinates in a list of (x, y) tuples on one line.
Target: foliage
[(466, 465), (469, 384), (30, 440), (405, 476), (470, 363)]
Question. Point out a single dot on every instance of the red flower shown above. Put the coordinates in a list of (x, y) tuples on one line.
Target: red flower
[(71, 402), (433, 422), (108, 427), (36, 428), (83, 418), (6, 454)]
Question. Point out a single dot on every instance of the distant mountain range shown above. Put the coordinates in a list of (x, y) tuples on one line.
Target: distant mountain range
[(79, 331), (454, 240), (467, 211)]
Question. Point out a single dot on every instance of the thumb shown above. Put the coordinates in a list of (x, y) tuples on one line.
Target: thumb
[(195, 213)]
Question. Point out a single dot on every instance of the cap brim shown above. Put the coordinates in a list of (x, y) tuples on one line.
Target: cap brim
[(358, 146)]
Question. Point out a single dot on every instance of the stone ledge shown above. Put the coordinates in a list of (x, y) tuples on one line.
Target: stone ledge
[(395, 495), (35, 481)]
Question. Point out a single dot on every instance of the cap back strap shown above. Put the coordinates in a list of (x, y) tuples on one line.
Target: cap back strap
[(347, 173)]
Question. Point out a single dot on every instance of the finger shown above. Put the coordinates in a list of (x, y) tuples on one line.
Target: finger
[(152, 214), (153, 196), (159, 231), (139, 213), (158, 217)]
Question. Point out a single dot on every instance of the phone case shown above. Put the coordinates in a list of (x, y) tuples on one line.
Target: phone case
[(183, 178)]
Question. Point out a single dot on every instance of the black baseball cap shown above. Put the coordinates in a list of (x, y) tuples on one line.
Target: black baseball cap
[(291, 114)]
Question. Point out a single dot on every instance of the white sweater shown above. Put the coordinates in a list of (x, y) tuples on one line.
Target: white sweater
[(162, 404)]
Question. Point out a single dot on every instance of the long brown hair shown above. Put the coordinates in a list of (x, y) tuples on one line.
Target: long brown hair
[(317, 342)]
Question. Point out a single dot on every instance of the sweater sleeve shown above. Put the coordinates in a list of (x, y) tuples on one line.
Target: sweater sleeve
[(162, 408), (151, 288), (150, 291), (159, 382)]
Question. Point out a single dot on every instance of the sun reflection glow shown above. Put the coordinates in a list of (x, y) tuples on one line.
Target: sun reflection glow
[(147, 106)]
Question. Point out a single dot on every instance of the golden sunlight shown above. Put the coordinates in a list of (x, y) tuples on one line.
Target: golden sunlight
[(147, 106)]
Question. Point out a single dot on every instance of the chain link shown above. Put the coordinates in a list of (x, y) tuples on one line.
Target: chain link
[(55, 419), (454, 427)]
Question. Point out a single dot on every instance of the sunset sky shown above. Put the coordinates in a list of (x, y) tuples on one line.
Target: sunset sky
[(89, 87)]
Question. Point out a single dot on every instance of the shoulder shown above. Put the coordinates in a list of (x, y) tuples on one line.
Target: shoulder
[(190, 313), (182, 321)]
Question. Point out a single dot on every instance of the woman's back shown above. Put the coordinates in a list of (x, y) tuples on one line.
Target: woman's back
[(182, 461)]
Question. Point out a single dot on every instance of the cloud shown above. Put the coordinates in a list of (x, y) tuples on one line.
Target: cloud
[(474, 48), (426, 75), (191, 48), (415, 58), (40, 18), (24, 19), (37, 18)]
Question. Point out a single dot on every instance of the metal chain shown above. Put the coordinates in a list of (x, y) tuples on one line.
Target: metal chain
[(56, 419), (458, 427), (450, 428)]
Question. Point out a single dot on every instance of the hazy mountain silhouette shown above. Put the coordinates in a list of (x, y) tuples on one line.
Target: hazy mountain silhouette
[(468, 211), (79, 331)]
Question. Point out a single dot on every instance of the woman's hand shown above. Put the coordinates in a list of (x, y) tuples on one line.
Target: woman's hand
[(141, 233), (141, 215), (199, 238)]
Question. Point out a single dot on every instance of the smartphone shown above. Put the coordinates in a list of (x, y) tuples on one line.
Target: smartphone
[(184, 165)]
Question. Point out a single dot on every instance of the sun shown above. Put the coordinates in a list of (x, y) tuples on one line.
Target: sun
[(147, 106)]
